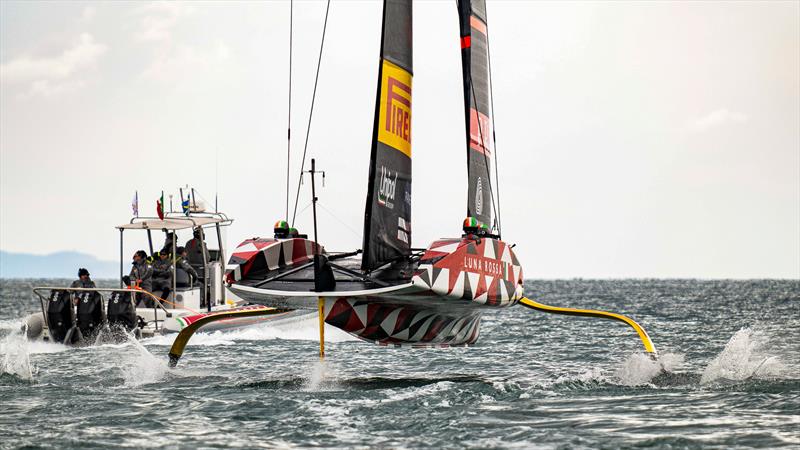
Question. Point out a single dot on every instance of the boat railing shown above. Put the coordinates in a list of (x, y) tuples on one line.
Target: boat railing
[(43, 298)]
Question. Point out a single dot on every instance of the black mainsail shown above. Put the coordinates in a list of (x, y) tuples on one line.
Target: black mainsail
[(475, 71), (387, 221)]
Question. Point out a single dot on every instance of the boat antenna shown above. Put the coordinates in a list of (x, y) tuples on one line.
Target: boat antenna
[(311, 112), (216, 180), (289, 114), (494, 137), (313, 172)]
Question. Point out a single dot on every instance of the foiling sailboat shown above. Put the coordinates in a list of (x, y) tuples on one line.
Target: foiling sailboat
[(388, 292)]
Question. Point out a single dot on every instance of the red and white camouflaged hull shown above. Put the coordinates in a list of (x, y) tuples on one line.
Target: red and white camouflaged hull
[(455, 281)]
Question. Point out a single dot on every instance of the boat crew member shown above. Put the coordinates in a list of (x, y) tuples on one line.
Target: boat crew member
[(195, 248), (142, 276), (472, 227), (185, 274), (83, 281), (168, 242), (162, 274), (293, 233), (281, 229)]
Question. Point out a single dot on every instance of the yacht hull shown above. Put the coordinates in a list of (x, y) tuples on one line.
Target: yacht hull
[(441, 304)]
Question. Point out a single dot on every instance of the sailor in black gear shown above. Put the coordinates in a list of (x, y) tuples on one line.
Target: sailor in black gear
[(194, 249), (142, 276), (83, 281), (168, 242), (181, 265), (162, 274)]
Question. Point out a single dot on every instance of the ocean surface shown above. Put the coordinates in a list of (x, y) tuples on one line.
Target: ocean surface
[(730, 350)]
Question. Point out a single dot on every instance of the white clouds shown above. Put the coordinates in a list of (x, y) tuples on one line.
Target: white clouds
[(88, 13), (716, 118), (175, 58), (50, 75), (159, 19), (183, 62)]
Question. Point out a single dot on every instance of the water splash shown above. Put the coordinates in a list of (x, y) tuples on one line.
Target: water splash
[(744, 357), (297, 330), (16, 355), (141, 367), (639, 368), (320, 376)]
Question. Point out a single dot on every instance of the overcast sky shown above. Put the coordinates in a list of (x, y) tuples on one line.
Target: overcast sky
[(635, 139)]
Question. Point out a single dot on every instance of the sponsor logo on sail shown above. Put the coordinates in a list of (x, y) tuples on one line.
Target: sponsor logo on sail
[(479, 197), (398, 108), (386, 188), (479, 129), (394, 121)]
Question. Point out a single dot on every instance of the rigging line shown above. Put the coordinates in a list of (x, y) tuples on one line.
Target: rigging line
[(305, 208), (494, 137), (289, 118), (356, 233), (311, 112)]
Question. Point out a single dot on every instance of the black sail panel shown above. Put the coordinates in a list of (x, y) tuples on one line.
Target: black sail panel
[(387, 221), (475, 72)]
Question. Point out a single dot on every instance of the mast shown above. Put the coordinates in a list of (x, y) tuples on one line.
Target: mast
[(387, 218), (316, 238), (475, 74)]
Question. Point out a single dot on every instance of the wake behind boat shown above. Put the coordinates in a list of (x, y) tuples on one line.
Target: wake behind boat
[(191, 291)]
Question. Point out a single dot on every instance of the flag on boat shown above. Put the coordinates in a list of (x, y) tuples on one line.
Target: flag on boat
[(135, 204), (185, 206), (160, 207)]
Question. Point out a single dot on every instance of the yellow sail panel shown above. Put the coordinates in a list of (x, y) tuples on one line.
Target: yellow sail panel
[(394, 121)]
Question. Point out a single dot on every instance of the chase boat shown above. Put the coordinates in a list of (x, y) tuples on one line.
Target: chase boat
[(85, 316)]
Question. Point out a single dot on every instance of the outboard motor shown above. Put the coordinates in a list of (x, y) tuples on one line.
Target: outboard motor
[(90, 313), (121, 311), (59, 315)]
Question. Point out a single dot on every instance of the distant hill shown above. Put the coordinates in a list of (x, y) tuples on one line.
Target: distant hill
[(54, 265)]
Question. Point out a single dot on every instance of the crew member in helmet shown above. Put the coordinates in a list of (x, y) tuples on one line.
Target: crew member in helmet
[(281, 229), (472, 226), (484, 230), (293, 233), (83, 281)]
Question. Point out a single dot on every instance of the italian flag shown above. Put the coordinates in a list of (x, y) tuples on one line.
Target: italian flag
[(160, 206)]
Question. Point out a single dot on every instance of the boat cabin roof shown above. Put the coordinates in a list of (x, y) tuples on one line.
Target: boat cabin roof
[(171, 223)]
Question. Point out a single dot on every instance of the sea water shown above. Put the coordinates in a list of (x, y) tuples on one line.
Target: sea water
[(728, 376)]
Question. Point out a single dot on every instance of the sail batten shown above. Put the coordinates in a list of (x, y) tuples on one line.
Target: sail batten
[(387, 218), (475, 74)]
